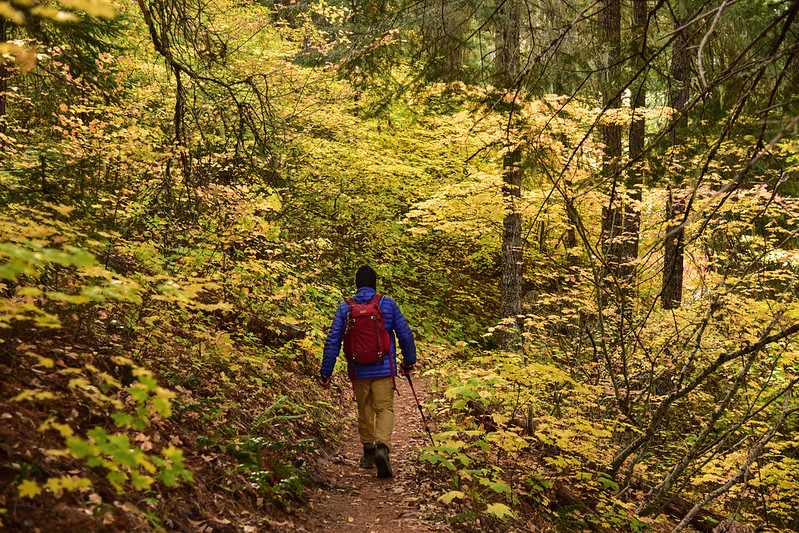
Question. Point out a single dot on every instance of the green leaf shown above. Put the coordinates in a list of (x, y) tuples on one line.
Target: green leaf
[(163, 407), (122, 419), (80, 448), (119, 448), (138, 423), (500, 488), (168, 476), (149, 382), (608, 483), (139, 392), (140, 482), (117, 479), (434, 458)]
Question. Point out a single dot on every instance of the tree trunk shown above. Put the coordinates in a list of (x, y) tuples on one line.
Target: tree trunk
[(680, 82), (451, 46), (3, 82), (671, 291), (673, 250), (508, 49), (620, 227), (512, 263), (507, 67), (610, 37), (619, 219), (444, 33), (631, 214), (638, 100)]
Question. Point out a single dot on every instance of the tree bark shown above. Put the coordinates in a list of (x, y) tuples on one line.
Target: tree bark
[(451, 43), (610, 37), (508, 50), (673, 252), (638, 100), (3, 82), (619, 218), (507, 67), (680, 82), (512, 263), (631, 215)]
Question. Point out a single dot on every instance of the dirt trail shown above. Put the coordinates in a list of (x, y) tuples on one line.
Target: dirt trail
[(353, 499)]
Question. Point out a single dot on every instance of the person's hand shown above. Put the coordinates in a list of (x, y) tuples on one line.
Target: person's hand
[(406, 370), (325, 381)]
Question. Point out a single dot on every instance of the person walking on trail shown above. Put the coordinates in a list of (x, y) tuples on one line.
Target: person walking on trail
[(369, 326)]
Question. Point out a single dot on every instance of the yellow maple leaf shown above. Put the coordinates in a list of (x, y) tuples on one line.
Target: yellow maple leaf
[(53, 484), (31, 394), (29, 489)]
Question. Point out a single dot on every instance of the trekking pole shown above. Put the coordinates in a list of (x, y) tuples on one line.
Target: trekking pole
[(426, 426)]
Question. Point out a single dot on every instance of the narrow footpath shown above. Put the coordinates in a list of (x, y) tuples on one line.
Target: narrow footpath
[(353, 499)]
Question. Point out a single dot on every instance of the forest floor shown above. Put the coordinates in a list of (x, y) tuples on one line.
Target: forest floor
[(351, 498)]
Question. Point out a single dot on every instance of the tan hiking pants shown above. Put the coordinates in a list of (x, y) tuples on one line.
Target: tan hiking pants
[(375, 409)]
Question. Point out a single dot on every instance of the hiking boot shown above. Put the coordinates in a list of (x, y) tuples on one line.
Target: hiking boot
[(381, 460), (368, 459)]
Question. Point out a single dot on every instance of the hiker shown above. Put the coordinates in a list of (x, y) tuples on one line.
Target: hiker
[(373, 364)]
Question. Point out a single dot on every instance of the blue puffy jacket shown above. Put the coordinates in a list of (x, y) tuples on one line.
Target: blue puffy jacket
[(397, 329)]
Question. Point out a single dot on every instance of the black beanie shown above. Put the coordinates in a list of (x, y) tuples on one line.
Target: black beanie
[(366, 277)]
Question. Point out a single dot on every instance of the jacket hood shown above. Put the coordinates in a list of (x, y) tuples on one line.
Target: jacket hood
[(364, 294)]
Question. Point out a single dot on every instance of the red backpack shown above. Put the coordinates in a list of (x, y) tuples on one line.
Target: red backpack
[(365, 339)]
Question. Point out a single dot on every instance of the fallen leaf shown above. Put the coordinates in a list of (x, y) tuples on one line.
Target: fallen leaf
[(30, 489)]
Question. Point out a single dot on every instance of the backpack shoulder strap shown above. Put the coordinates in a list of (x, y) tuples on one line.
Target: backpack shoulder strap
[(350, 301), (375, 299)]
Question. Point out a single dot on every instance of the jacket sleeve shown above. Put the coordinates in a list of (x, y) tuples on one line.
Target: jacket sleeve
[(333, 341), (404, 337)]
